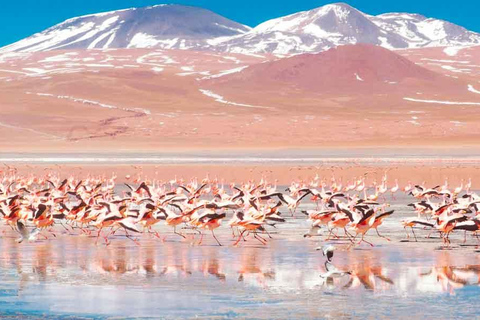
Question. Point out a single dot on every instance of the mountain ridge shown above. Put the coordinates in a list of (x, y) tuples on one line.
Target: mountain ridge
[(170, 26)]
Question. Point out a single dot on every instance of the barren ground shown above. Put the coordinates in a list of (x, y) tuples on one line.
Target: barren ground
[(144, 100)]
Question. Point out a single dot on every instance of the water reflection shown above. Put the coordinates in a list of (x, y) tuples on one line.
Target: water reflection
[(413, 280), (275, 268)]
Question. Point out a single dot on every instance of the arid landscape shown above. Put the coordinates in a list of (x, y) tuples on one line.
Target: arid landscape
[(137, 100)]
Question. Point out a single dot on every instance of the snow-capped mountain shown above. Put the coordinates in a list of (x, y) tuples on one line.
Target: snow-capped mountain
[(419, 31), (339, 24), (181, 27), (162, 26), (314, 31)]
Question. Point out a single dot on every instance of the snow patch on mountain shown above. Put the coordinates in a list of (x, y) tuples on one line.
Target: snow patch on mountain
[(221, 99), (162, 26), (339, 24), (191, 28), (443, 102), (472, 89)]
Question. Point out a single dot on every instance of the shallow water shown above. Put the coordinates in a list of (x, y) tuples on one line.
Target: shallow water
[(70, 277), (362, 156)]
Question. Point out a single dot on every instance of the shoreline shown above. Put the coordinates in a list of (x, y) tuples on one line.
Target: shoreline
[(321, 156), (433, 166), (280, 174)]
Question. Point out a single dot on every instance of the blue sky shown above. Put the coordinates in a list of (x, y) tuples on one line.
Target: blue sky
[(21, 18)]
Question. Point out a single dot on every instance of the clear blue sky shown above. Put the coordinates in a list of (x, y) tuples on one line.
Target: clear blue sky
[(21, 18)]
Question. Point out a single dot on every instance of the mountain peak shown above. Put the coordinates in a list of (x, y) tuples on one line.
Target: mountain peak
[(173, 26), (341, 5), (340, 9), (161, 26), (356, 67), (341, 24)]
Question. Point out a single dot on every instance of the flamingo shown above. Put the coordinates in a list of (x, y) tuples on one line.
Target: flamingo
[(394, 189)]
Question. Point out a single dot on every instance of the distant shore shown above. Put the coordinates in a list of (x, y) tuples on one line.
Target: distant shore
[(314, 156), (281, 174)]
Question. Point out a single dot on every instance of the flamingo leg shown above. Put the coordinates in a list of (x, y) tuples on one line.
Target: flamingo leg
[(378, 233), (201, 238), (352, 241), (175, 231), (429, 234), (239, 238), (406, 232), (259, 239), (213, 234), (414, 235), (268, 234), (155, 233), (133, 239), (113, 231), (363, 240), (107, 242), (476, 236), (65, 228), (260, 236), (244, 235), (332, 233), (348, 234), (354, 238), (98, 235), (329, 234), (446, 240)]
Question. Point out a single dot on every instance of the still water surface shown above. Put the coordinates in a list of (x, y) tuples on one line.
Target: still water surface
[(71, 277)]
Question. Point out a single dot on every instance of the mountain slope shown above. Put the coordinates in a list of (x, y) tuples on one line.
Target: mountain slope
[(420, 31), (163, 26), (182, 27), (345, 69), (339, 24)]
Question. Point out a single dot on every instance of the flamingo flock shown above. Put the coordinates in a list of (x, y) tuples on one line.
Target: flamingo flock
[(100, 207), (444, 210)]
